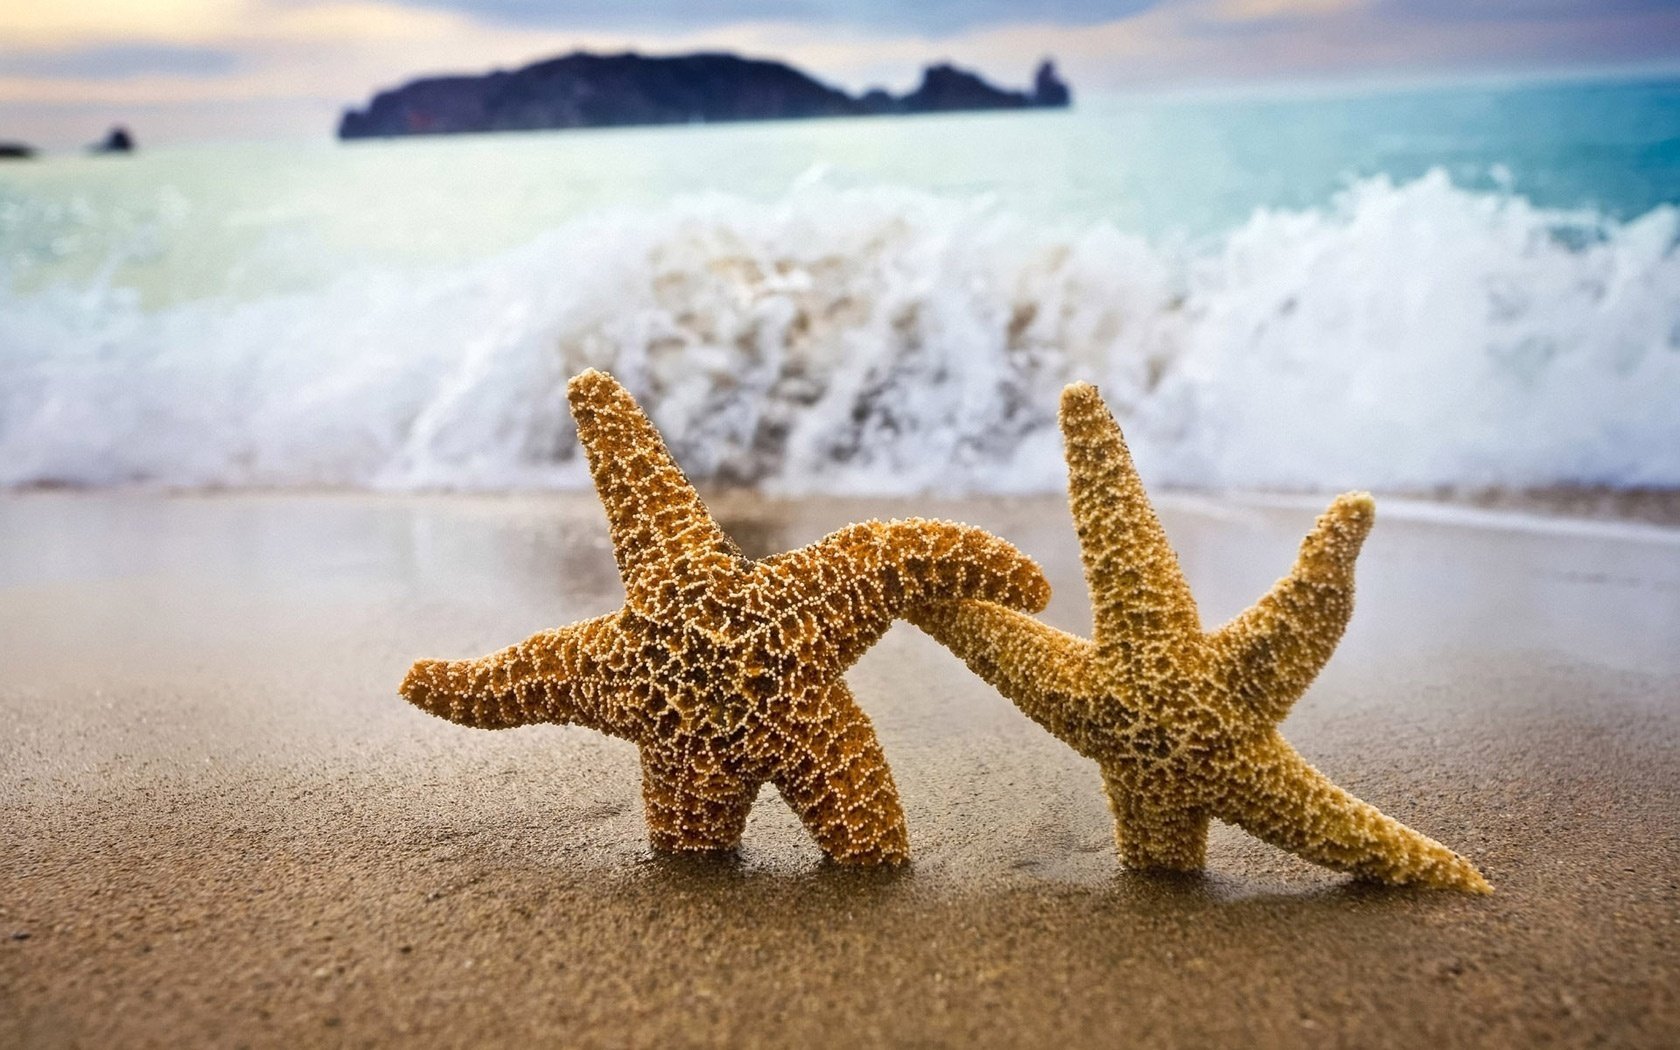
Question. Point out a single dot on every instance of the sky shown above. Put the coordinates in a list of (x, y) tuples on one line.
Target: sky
[(180, 70)]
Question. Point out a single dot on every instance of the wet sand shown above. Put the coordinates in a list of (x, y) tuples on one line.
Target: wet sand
[(220, 826)]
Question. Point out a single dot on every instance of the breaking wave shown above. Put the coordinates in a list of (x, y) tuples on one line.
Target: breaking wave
[(1401, 337)]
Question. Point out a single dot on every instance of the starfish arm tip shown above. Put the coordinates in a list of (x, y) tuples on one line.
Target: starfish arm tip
[(1084, 412), (1079, 395), (1357, 510), (1340, 533), (1461, 874), (1033, 586), (1006, 574), (596, 396), (415, 688), (428, 686), (1359, 500), (1454, 873), (588, 381)]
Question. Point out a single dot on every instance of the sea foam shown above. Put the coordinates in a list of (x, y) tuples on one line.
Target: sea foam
[(1402, 337)]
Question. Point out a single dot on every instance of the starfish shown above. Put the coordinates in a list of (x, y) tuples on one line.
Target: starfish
[(1182, 723), (725, 672)]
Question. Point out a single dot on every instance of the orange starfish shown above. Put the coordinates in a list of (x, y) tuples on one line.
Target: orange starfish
[(1183, 723), (727, 672)]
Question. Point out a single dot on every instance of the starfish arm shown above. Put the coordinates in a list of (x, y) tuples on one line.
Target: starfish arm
[(1155, 835), (1268, 656), (1277, 796), (838, 781), (1039, 669), (1138, 592), (660, 527), (836, 597), (692, 803), (563, 676)]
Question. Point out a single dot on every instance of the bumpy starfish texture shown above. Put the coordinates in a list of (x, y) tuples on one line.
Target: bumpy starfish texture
[(1182, 723), (727, 672)]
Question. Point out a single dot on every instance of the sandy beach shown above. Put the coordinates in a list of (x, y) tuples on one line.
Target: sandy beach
[(220, 826)]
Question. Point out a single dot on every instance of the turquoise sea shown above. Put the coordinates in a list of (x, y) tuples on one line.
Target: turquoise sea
[(1403, 289)]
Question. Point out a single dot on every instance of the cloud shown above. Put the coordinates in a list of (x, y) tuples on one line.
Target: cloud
[(1446, 11), (51, 24), (874, 16), (1276, 10), (120, 62)]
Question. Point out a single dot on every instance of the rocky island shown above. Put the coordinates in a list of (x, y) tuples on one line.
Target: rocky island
[(584, 90)]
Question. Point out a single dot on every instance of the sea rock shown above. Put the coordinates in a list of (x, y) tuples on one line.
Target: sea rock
[(117, 140), (15, 151), (1049, 90)]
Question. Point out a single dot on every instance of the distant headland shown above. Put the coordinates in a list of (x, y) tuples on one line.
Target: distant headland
[(584, 90)]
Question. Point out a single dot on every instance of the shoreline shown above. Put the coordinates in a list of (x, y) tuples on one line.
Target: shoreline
[(225, 828), (1563, 504)]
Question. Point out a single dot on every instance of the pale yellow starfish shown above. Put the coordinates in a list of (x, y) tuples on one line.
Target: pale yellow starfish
[(1183, 723), (727, 672)]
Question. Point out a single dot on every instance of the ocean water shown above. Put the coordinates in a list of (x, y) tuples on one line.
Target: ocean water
[(1461, 288)]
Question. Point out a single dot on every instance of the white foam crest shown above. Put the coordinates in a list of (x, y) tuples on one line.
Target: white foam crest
[(1422, 335), (888, 341)]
